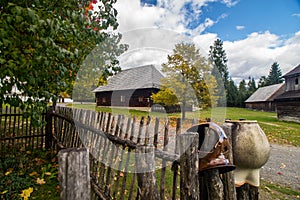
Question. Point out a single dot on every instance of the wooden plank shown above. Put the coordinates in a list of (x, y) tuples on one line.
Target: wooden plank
[(74, 174), (140, 130), (175, 165), (228, 178), (189, 161), (132, 133), (165, 148), (145, 162)]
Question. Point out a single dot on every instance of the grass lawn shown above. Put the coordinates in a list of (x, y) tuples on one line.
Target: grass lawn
[(279, 132)]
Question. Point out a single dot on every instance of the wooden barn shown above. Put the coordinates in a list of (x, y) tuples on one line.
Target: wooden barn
[(288, 103), (263, 98), (130, 88)]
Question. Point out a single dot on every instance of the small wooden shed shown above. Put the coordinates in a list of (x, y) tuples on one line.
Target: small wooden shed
[(130, 88), (288, 103), (263, 98)]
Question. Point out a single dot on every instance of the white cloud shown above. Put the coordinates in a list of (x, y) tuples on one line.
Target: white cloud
[(153, 31), (254, 55), (296, 14), (240, 27), (230, 3), (204, 41)]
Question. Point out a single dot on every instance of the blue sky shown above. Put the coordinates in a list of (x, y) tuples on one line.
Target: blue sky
[(277, 16), (255, 33)]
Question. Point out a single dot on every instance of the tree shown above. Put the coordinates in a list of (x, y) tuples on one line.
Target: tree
[(43, 44), (218, 58), (251, 86), (275, 75), (243, 93), (232, 96), (262, 81), (188, 79)]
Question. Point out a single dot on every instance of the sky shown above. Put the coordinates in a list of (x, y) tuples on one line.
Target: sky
[(255, 33)]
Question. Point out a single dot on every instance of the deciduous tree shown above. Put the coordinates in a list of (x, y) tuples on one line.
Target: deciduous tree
[(188, 79), (44, 42)]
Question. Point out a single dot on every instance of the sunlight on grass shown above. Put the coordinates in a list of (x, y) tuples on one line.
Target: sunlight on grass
[(277, 131)]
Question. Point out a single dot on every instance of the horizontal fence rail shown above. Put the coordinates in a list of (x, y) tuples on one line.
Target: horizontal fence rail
[(112, 141)]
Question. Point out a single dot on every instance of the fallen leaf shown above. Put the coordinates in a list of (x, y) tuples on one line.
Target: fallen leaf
[(57, 188), (279, 173), (39, 161), (267, 188), (5, 191), (48, 173), (10, 170), (282, 166), (40, 181), (33, 174), (26, 193)]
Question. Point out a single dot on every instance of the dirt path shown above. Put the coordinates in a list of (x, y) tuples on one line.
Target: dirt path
[(283, 166)]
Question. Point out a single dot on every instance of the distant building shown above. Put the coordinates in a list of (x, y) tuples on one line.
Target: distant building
[(288, 103), (263, 98), (130, 88)]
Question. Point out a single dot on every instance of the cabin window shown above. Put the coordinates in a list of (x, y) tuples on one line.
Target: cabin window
[(296, 81), (141, 99), (122, 98), (104, 100)]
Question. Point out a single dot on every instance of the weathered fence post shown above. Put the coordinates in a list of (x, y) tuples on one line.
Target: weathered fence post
[(145, 169), (74, 174), (48, 129), (189, 166), (228, 178), (214, 185), (247, 192)]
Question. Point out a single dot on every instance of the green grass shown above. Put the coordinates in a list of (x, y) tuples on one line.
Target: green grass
[(270, 191), (279, 132), (31, 171)]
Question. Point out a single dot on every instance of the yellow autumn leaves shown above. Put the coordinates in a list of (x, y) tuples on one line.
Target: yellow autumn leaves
[(26, 193)]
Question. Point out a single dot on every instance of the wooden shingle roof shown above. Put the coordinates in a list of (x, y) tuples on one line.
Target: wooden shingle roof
[(293, 72), (268, 93), (134, 78)]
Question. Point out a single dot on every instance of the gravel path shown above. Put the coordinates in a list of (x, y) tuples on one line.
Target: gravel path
[(283, 166)]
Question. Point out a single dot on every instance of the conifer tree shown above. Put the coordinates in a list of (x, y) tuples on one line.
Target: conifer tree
[(218, 58), (275, 75)]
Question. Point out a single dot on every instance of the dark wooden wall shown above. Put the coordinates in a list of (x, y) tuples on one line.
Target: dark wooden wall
[(132, 98), (289, 110)]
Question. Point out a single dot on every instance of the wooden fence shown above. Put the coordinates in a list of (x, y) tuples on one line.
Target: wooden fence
[(17, 131), (114, 142)]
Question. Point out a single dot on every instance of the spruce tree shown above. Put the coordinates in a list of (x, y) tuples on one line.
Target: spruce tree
[(217, 56), (232, 94), (243, 93), (275, 75)]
